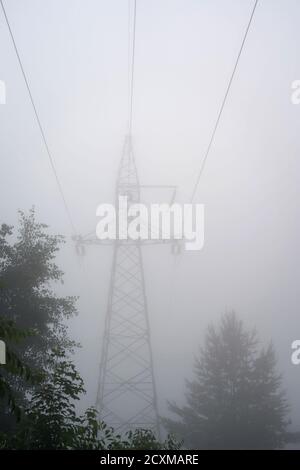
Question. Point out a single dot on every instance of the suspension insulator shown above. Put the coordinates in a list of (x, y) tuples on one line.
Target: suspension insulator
[(175, 248), (80, 249)]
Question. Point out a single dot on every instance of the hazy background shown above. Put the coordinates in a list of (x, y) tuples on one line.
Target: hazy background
[(75, 55)]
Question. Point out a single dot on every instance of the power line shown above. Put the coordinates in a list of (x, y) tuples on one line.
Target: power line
[(38, 121), (128, 60), (223, 103), (132, 69)]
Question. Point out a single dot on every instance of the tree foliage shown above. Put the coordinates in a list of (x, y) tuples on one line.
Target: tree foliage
[(28, 272), (43, 387), (14, 366), (235, 400), (50, 421), (29, 309)]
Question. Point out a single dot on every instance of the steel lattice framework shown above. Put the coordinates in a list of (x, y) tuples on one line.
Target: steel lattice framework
[(126, 395)]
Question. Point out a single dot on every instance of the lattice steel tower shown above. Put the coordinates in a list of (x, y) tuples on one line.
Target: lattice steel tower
[(126, 397)]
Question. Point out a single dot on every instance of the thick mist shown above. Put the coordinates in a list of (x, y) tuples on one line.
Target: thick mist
[(75, 54)]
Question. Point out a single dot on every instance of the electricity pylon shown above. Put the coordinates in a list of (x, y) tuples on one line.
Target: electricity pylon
[(126, 396)]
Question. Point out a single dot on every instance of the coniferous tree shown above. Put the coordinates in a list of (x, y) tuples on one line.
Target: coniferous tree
[(235, 400)]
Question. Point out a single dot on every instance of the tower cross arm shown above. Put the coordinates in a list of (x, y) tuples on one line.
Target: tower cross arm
[(82, 241)]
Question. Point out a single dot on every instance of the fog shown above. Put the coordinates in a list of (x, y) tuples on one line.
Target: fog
[(75, 54)]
